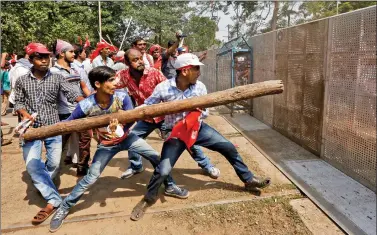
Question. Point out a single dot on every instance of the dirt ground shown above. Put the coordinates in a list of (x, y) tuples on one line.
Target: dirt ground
[(20, 200)]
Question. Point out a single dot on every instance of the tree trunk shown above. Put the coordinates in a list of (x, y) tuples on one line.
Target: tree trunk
[(275, 16), (162, 109)]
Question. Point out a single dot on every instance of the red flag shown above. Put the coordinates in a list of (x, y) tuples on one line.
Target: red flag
[(187, 129), (87, 43)]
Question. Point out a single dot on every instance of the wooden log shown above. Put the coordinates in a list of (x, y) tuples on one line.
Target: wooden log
[(210, 100)]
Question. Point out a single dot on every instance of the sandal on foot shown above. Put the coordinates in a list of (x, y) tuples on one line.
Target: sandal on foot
[(139, 210), (42, 215)]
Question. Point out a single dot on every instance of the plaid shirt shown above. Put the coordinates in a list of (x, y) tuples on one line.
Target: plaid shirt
[(150, 79), (41, 96), (168, 91)]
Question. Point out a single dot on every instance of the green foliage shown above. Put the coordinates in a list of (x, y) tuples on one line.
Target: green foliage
[(24, 21)]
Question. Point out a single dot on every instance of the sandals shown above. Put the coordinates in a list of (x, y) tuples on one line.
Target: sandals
[(42, 215), (139, 210)]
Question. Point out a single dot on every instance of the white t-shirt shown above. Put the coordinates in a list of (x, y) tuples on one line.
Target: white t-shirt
[(146, 61), (87, 65), (17, 71)]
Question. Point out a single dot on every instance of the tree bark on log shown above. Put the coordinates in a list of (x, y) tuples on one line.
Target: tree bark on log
[(146, 112)]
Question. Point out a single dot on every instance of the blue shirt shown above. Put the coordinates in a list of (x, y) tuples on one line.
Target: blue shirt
[(168, 91), (89, 107), (98, 61)]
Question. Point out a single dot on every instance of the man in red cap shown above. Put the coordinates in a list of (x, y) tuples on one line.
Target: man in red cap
[(188, 128), (100, 56), (155, 52), (38, 92)]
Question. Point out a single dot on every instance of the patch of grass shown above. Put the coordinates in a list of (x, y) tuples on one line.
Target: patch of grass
[(267, 216)]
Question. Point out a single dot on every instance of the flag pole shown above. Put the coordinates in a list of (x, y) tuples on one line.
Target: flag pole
[(99, 20), (124, 36)]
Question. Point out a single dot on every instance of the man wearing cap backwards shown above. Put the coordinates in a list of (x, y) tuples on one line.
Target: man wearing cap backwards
[(140, 83), (77, 76), (100, 56), (37, 92), (188, 129)]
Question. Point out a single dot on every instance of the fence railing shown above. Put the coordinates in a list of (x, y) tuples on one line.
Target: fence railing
[(328, 68)]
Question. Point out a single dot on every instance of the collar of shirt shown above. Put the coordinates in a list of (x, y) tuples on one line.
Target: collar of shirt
[(133, 87), (44, 77), (78, 63), (101, 59), (72, 71)]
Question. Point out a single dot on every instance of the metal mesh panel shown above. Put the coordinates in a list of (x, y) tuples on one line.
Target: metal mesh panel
[(299, 63), (350, 117), (263, 70), (208, 72), (224, 72)]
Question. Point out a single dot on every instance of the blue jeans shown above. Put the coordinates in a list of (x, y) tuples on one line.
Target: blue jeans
[(41, 172), (103, 156), (143, 129), (207, 137)]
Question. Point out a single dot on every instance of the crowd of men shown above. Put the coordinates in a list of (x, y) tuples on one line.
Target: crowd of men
[(80, 82)]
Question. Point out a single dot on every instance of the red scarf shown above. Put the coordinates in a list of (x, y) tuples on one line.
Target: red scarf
[(187, 129)]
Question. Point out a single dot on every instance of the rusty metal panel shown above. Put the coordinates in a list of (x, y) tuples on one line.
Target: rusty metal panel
[(349, 131), (281, 72), (313, 87), (208, 71), (263, 70), (224, 72), (299, 62)]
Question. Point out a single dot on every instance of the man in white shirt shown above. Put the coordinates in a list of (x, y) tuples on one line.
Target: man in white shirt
[(21, 68), (101, 55)]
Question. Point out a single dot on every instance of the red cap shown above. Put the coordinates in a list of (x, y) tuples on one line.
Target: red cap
[(35, 47)]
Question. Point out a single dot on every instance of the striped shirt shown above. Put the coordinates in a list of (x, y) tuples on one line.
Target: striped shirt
[(168, 91), (41, 96)]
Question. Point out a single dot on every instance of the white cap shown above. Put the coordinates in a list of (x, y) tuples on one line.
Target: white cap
[(186, 60), (120, 54)]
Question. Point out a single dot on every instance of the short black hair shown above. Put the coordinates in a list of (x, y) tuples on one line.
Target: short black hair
[(138, 39), (78, 49), (88, 51), (100, 74)]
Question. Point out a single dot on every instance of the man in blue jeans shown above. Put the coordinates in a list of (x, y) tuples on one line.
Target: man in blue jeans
[(184, 86), (38, 92), (113, 139), (140, 83)]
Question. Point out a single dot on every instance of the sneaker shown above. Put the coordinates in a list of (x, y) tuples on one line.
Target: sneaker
[(257, 182), (57, 220), (130, 172), (175, 191), (213, 172)]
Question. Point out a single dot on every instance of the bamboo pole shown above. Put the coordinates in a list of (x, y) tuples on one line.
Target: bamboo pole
[(161, 109), (99, 20)]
